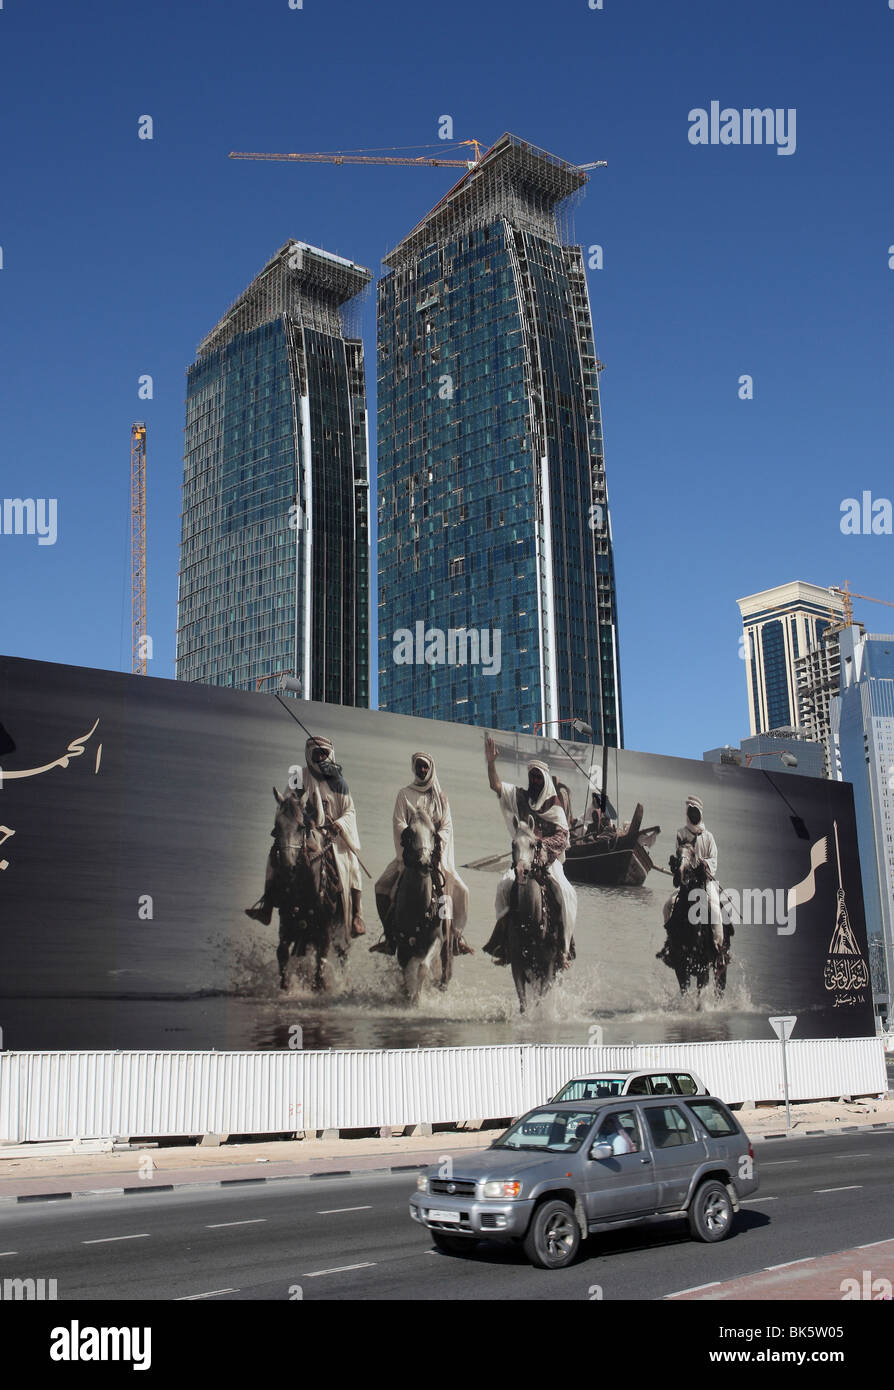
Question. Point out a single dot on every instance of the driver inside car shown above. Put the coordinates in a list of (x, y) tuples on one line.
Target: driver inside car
[(612, 1132)]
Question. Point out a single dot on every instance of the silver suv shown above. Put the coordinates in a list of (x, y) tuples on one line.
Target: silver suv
[(565, 1171)]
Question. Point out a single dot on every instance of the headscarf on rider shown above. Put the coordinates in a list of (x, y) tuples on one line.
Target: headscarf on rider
[(547, 805), (437, 801), (328, 770)]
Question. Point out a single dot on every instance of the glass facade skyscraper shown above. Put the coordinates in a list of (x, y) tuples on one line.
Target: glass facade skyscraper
[(274, 559), (496, 581), (862, 720)]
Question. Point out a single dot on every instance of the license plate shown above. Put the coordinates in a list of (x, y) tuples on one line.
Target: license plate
[(444, 1216)]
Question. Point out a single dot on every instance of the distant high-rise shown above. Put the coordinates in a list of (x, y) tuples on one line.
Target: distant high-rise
[(781, 626), (862, 718), (274, 557), (806, 758), (496, 580)]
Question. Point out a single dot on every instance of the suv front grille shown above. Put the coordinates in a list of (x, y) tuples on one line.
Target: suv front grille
[(458, 1187)]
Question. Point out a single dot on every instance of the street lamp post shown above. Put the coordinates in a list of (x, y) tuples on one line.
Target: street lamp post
[(579, 726), (788, 759), (287, 681)]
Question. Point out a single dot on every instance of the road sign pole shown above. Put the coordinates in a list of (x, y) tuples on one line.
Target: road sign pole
[(788, 1111), (783, 1026)]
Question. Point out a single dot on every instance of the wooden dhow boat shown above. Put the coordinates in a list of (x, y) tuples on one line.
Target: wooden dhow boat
[(613, 857)]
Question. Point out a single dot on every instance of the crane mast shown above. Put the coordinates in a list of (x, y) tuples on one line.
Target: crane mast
[(138, 548)]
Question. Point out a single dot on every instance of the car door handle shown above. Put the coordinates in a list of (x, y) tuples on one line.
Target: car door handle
[(645, 1160)]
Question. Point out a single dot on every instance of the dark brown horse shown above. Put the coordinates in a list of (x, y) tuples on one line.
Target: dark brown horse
[(533, 912), (689, 949), (306, 888), (422, 921)]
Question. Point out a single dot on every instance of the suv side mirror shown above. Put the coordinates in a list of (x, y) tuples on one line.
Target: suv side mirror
[(601, 1151)]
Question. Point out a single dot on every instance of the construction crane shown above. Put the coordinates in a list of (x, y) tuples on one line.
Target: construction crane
[(847, 594), (139, 641), (365, 157)]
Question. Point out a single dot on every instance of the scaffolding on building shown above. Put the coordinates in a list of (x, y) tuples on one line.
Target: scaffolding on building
[(325, 292), (535, 190)]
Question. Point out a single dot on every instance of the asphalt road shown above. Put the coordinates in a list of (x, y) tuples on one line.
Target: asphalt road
[(352, 1238)]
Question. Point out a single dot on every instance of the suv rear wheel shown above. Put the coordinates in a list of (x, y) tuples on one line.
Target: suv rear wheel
[(711, 1212), (553, 1237)]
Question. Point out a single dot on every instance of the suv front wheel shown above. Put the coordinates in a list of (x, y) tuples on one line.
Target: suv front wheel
[(711, 1212), (553, 1237)]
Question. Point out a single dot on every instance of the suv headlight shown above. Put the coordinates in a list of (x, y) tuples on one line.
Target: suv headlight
[(501, 1189), (422, 1183)]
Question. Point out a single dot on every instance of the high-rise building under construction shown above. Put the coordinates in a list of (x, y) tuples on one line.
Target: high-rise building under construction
[(496, 580), (274, 559)]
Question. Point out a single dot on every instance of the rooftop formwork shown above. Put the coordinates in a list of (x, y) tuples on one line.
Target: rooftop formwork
[(322, 290), (536, 190)]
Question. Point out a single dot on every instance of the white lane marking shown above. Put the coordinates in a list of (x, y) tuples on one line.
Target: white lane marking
[(339, 1269), (779, 1162), (189, 1297), (874, 1242), (714, 1284), (750, 1201), (805, 1260), (8, 1252), (852, 1187), (218, 1225), (333, 1211), (106, 1240)]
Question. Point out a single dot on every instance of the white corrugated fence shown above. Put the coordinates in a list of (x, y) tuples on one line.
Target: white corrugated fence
[(68, 1095)]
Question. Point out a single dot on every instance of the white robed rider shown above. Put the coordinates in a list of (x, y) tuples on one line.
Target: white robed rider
[(541, 802), (424, 794), (697, 848), (330, 803)]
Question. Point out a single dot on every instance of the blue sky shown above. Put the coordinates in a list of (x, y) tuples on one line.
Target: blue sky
[(120, 254)]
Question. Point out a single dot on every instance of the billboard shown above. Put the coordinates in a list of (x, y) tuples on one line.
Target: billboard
[(653, 898)]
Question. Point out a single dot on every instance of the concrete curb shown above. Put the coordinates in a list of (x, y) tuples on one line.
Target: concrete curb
[(816, 1133)]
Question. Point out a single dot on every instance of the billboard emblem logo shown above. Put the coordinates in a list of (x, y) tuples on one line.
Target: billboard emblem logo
[(845, 967)]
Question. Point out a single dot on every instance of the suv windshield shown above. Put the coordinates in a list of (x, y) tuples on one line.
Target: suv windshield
[(592, 1088), (552, 1131)]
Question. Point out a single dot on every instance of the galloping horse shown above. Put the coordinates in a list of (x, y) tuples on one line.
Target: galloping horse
[(306, 888), (689, 948), (419, 927), (533, 934)]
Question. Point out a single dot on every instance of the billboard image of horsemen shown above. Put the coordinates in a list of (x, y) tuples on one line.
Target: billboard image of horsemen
[(228, 866)]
